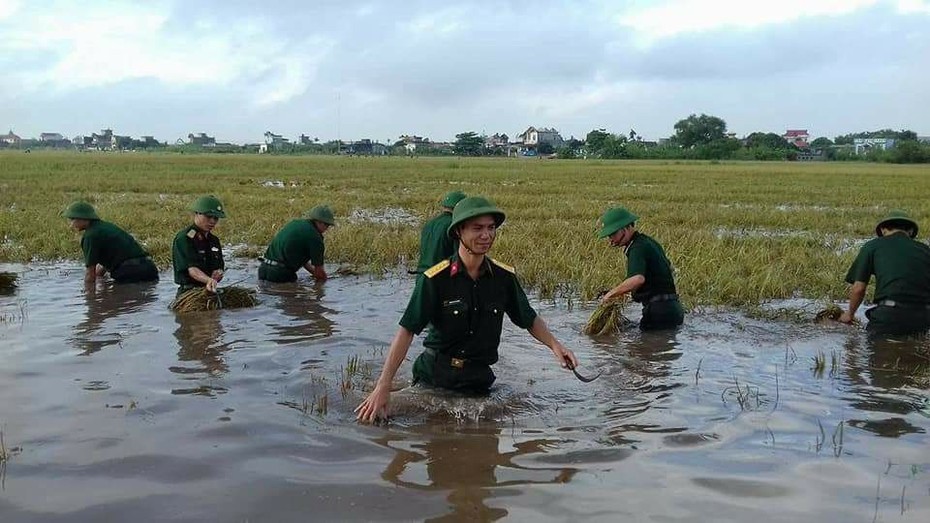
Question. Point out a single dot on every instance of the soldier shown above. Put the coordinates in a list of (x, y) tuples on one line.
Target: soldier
[(435, 244), (463, 299), (196, 254), (107, 248), (649, 273), (298, 244), (901, 266)]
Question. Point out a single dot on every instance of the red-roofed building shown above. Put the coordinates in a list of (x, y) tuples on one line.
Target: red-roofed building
[(799, 138)]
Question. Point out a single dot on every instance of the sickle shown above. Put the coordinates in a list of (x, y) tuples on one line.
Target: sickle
[(581, 378)]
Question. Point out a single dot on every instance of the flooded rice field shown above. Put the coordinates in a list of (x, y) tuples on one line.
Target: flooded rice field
[(114, 408)]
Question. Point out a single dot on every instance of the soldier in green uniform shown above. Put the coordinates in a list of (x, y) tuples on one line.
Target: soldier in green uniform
[(298, 244), (648, 272), (901, 266), (108, 248), (463, 299), (196, 253), (435, 243)]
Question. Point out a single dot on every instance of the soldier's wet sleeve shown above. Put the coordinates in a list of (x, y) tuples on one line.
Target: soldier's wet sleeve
[(421, 307), (519, 310), (91, 250), (317, 249), (636, 262), (182, 253), (863, 268)]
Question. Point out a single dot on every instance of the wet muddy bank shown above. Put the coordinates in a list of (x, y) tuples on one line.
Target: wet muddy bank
[(123, 409)]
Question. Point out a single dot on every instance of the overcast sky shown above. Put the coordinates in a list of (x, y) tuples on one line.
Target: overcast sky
[(350, 70)]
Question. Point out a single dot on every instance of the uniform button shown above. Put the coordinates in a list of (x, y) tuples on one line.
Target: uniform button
[(470, 332), (455, 312)]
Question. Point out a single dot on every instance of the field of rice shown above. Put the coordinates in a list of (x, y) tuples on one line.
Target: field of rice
[(737, 233)]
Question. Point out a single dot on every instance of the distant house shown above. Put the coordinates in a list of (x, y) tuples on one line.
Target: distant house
[(54, 140), (532, 138), (412, 142), (365, 147), (201, 139), (497, 142), (923, 139), (306, 140), (865, 145), (799, 138), (104, 141), (148, 142), (10, 140)]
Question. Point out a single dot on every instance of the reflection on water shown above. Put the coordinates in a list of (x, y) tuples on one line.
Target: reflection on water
[(469, 466), (131, 422), (641, 374), (888, 375), (108, 303), (302, 303), (200, 341)]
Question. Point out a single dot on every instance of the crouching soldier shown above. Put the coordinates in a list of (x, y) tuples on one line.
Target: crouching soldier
[(435, 243), (463, 299), (298, 244), (648, 272), (109, 249), (196, 253), (901, 266)]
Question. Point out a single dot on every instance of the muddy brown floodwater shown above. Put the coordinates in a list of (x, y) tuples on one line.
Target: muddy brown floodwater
[(113, 408)]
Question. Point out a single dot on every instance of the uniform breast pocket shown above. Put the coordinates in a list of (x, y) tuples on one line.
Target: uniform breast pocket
[(494, 312), (454, 314)]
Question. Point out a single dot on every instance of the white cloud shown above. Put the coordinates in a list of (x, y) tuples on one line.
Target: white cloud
[(674, 17), (92, 46), (438, 23)]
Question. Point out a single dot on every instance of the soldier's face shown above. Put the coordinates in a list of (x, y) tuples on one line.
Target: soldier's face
[(622, 236), (78, 224), (204, 222), (477, 234)]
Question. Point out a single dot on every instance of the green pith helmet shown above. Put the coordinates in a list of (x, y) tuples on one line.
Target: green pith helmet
[(471, 207), (209, 205), (897, 219), (81, 211), (452, 198), (614, 220), (322, 213)]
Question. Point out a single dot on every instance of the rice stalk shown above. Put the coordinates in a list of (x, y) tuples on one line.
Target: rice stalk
[(225, 298), (608, 318), (833, 312)]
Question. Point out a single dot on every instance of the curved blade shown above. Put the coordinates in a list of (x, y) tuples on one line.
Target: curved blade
[(579, 376)]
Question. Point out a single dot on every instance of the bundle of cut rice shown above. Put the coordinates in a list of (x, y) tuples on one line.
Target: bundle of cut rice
[(224, 298), (608, 318), (7, 281), (832, 312)]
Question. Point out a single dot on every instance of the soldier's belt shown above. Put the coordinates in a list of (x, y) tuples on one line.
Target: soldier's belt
[(892, 303), (662, 297), (458, 363), (272, 263)]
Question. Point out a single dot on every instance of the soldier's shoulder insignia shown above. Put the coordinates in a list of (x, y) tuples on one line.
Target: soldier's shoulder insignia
[(502, 265), (436, 269), (191, 233)]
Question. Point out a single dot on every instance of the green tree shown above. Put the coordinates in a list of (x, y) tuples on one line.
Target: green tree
[(699, 130), (467, 144), (767, 140), (614, 147), (821, 143), (594, 141)]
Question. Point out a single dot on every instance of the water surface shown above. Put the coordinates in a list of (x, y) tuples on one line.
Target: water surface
[(122, 410)]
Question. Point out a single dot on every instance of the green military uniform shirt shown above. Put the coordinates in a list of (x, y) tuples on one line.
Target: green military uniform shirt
[(195, 248), (435, 243), (901, 267), (108, 245), (645, 257), (295, 244), (465, 315)]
